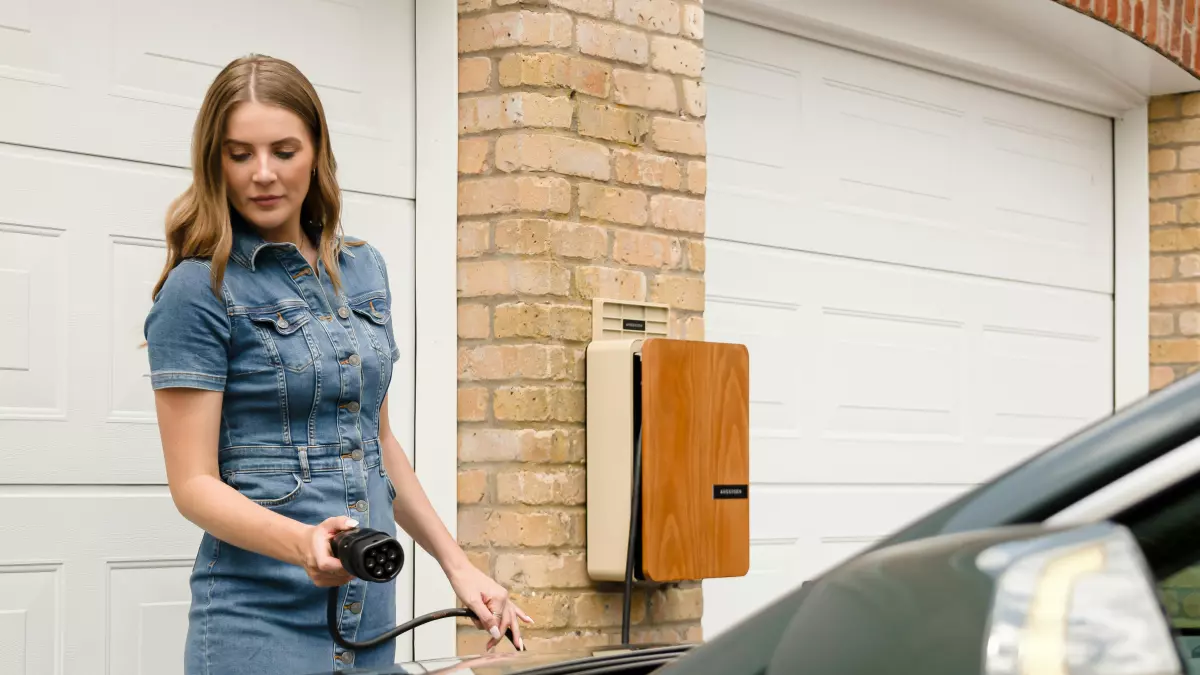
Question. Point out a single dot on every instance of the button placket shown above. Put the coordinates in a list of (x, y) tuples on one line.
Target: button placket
[(355, 592), (346, 378)]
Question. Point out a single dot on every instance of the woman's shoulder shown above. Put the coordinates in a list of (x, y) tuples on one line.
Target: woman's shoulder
[(186, 311), (186, 280)]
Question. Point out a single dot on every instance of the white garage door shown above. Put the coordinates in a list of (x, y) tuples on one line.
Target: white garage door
[(98, 102), (922, 270)]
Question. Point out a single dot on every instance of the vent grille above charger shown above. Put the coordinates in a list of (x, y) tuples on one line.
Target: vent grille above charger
[(613, 319)]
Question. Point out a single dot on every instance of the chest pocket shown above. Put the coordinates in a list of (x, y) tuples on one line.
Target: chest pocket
[(284, 332), (374, 309)]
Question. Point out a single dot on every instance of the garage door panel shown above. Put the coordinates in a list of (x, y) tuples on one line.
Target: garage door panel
[(768, 331), (892, 366), (99, 102), (878, 461), (83, 396), (33, 377), (124, 565), (921, 268), (872, 159), (860, 512), (769, 97), (27, 51), (139, 69), (879, 391), (136, 263), (148, 607), (31, 597), (1037, 384)]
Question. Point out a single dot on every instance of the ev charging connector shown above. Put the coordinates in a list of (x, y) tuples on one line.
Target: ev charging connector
[(377, 557)]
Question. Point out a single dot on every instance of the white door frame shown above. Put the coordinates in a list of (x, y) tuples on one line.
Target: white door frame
[(1131, 241), (436, 259)]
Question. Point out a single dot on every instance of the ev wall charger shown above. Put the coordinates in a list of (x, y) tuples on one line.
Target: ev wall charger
[(668, 460), (668, 451)]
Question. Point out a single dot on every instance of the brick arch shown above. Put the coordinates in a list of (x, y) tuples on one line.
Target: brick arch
[(1166, 26)]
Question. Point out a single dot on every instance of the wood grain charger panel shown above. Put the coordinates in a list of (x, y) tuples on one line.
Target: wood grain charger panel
[(695, 460)]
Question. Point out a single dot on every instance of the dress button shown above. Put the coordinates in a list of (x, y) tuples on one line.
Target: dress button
[(356, 455), (353, 360), (352, 406), (346, 657), (343, 312), (282, 323), (355, 608), (360, 505)]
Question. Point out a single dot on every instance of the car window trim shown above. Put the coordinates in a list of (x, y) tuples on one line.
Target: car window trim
[(1160, 474)]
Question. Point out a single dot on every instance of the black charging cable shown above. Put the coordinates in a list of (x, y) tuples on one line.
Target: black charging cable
[(634, 521), (374, 556)]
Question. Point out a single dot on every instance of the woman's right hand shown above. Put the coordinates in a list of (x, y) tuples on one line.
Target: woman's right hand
[(322, 567)]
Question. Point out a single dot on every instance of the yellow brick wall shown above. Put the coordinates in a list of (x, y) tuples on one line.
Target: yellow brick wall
[(581, 174), (1174, 238)]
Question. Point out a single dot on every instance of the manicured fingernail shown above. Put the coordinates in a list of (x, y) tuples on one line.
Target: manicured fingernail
[(352, 522), (495, 632)]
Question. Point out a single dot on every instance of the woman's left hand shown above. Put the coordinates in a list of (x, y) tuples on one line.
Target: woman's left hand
[(490, 602)]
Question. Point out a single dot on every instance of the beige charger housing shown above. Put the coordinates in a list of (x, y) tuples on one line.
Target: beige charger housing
[(689, 401)]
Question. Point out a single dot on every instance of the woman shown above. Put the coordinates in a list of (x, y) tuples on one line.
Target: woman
[(271, 349)]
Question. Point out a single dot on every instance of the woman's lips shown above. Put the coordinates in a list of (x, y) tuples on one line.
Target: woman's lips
[(270, 200)]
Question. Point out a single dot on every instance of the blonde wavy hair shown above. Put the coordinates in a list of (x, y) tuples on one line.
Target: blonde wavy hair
[(199, 222)]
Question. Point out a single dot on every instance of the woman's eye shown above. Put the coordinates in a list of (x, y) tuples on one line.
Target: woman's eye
[(285, 154), (240, 156)]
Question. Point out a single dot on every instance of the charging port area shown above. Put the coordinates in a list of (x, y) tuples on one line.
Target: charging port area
[(668, 456)]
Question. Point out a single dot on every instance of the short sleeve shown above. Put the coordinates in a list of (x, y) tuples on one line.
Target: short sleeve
[(187, 331), (391, 333)]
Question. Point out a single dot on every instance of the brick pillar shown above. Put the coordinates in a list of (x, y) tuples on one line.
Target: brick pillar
[(1174, 238), (581, 174)]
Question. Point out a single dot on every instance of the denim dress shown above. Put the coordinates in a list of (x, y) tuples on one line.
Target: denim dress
[(304, 370)]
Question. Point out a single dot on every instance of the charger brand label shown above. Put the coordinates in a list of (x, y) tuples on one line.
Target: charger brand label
[(633, 324), (731, 491)]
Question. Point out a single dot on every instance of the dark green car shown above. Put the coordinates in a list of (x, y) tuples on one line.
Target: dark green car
[(1082, 560)]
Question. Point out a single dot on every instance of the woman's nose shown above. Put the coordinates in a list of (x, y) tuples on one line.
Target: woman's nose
[(263, 172)]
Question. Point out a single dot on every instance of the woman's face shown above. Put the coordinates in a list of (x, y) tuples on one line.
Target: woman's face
[(267, 158)]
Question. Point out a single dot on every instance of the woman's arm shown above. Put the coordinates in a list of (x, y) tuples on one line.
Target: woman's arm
[(189, 424), (415, 515)]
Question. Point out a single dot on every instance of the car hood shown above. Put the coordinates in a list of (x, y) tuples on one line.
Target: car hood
[(511, 663)]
